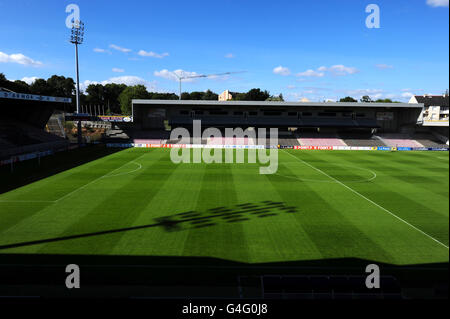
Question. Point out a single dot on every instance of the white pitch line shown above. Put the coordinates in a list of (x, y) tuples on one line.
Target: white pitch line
[(369, 200), (85, 185), (79, 188), (125, 173)]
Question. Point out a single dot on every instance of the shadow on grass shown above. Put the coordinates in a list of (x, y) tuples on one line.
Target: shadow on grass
[(30, 171), (186, 220), (128, 276)]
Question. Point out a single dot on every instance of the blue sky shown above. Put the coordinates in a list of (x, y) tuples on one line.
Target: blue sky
[(313, 49)]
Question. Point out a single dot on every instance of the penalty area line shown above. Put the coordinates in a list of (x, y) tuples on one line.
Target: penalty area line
[(105, 175), (81, 187), (369, 200)]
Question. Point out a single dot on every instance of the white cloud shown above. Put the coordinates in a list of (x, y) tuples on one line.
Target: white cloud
[(129, 80), (29, 80), (18, 58), (281, 70), (437, 3), (362, 92), (153, 54), (229, 55), (118, 70), (407, 94), (98, 50), (311, 73), (342, 70), (174, 75), (116, 47), (291, 87), (384, 66), (337, 70)]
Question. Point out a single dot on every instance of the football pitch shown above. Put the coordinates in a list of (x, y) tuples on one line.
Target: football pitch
[(389, 207)]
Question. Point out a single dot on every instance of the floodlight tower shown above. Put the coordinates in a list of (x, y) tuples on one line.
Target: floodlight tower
[(181, 77), (77, 37)]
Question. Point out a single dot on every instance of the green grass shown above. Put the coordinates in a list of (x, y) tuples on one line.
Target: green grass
[(390, 207)]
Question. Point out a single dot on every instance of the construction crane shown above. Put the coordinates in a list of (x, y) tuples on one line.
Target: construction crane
[(181, 78)]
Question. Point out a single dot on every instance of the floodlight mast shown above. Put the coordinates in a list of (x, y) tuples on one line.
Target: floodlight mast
[(77, 37), (180, 78)]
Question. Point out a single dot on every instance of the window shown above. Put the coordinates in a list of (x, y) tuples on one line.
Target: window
[(272, 113), (253, 113), (218, 112), (292, 113), (238, 113), (307, 114), (327, 114), (184, 112), (360, 115)]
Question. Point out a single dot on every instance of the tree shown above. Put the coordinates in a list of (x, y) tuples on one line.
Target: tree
[(21, 86), (61, 86), (366, 99), (96, 94), (257, 95), (3, 80), (111, 93), (348, 99), (130, 93), (15, 86), (162, 96), (186, 96), (41, 87), (210, 95), (274, 98), (238, 96), (384, 101)]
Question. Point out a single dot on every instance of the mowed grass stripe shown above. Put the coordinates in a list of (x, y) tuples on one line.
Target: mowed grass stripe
[(176, 197), (325, 210), (216, 236), (335, 234), (57, 186), (52, 220), (269, 230), (429, 212), (405, 223), (362, 215), (9, 211), (394, 179), (117, 208)]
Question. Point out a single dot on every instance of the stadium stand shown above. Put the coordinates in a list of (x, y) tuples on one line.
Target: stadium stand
[(360, 139), (429, 140), (4, 144), (399, 140), (55, 125), (231, 141), (24, 118), (327, 287), (317, 139), (288, 142), (149, 141)]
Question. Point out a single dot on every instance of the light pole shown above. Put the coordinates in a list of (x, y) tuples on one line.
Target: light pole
[(181, 78), (77, 37)]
